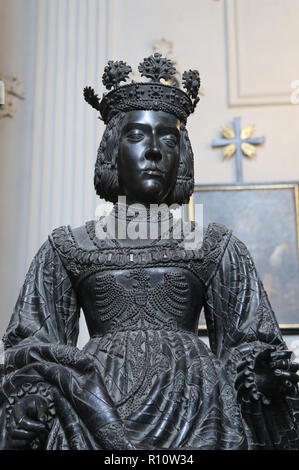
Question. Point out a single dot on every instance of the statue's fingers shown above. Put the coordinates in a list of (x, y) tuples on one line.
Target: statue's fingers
[(30, 425), (284, 354), (275, 364), (22, 434), (245, 364), (285, 364), (287, 375)]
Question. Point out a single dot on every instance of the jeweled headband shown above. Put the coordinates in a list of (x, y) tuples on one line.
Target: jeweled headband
[(151, 95)]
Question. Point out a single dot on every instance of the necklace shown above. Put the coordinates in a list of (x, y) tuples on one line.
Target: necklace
[(102, 229)]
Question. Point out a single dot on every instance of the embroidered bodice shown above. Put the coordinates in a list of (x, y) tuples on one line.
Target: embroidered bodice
[(144, 287)]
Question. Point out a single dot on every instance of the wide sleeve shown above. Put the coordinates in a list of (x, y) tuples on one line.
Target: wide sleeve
[(41, 358), (47, 310), (241, 323), (237, 308)]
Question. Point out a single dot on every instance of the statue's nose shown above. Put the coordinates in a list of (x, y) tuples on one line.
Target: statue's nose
[(154, 152)]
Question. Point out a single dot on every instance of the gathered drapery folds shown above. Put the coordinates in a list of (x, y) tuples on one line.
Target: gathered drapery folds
[(133, 386), (47, 310), (41, 358), (241, 323)]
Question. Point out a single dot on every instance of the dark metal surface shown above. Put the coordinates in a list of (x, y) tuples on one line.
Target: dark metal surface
[(145, 380)]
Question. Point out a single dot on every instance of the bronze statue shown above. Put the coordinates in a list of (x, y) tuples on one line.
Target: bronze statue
[(145, 380)]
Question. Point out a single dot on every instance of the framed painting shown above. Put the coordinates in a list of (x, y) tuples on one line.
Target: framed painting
[(266, 218)]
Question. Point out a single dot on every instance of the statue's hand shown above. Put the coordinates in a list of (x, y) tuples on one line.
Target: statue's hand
[(28, 427), (263, 375), (285, 370)]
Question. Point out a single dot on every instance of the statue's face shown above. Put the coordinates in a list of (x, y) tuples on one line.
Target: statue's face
[(148, 155)]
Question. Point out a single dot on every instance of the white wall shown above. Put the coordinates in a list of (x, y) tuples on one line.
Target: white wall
[(18, 20), (246, 52), (48, 150)]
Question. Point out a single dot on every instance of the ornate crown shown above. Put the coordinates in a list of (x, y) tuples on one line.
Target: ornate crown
[(151, 95)]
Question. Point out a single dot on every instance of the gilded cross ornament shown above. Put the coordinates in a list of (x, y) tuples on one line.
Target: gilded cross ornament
[(239, 142)]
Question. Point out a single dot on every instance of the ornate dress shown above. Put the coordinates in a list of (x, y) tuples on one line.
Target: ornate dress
[(144, 379)]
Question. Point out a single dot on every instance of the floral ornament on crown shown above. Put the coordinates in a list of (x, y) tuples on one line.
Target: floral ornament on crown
[(148, 95), (114, 73), (191, 83), (156, 67), (91, 97)]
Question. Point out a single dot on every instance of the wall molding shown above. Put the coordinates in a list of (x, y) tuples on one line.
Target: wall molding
[(73, 44), (238, 96)]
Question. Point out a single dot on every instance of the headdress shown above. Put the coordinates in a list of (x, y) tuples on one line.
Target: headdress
[(150, 95)]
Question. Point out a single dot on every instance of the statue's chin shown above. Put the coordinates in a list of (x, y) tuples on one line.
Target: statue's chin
[(152, 191)]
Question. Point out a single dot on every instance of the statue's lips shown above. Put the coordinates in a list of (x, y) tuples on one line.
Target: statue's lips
[(153, 172)]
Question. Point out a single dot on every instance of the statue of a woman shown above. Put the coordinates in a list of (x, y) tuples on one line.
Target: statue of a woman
[(145, 380)]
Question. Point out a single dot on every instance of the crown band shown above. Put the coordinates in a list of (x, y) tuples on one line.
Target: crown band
[(152, 95), (146, 96)]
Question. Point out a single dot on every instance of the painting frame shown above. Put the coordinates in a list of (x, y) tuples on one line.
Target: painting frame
[(290, 328)]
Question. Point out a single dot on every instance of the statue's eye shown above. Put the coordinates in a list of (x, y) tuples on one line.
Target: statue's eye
[(170, 140), (135, 135)]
